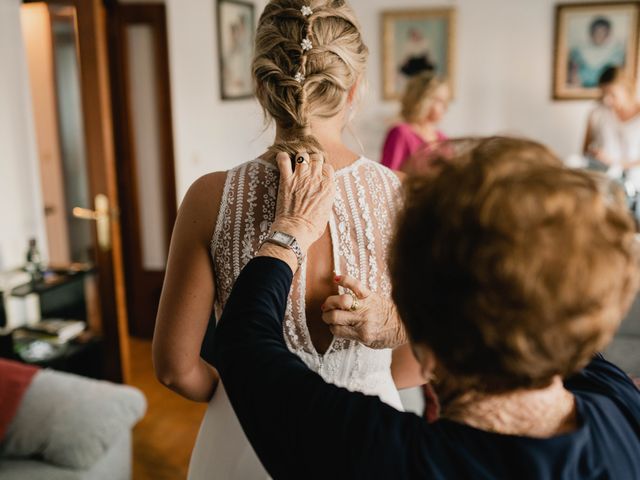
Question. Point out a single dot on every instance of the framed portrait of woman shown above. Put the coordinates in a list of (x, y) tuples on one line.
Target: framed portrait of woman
[(414, 41), (589, 38), (236, 20)]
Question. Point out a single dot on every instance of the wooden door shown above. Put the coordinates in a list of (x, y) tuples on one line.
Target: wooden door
[(95, 228), (144, 147)]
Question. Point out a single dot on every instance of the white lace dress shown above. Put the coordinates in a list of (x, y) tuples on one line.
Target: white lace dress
[(367, 198)]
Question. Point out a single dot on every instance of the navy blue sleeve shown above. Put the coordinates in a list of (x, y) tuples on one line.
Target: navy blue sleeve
[(300, 426), (603, 377)]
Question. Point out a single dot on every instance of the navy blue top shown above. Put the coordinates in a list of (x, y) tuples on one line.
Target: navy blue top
[(302, 427)]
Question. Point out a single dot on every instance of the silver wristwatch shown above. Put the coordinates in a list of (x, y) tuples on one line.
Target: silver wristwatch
[(286, 241)]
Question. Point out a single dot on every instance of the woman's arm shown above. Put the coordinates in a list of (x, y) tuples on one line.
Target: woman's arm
[(188, 294), (291, 416), (588, 147), (405, 369)]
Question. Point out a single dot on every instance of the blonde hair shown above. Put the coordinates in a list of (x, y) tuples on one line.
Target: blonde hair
[(417, 100), (329, 69)]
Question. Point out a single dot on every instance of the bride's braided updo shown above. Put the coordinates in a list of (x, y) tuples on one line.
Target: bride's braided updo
[(308, 56)]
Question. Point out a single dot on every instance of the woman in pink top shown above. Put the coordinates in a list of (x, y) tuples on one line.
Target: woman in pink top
[(424, 104)]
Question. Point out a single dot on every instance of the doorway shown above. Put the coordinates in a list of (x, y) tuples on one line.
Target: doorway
[(65, 42), (144, 152)]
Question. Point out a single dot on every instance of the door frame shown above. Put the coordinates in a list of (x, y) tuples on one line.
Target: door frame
[(101, 169)]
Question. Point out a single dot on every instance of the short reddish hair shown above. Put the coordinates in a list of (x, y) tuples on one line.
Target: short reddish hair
[(511, 267)]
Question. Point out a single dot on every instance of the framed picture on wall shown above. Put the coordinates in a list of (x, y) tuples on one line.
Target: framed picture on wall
[(589, 38), (413, 41), (235, 48)]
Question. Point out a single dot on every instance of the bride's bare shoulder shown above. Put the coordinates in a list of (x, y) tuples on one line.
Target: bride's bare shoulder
[(199, 209), (206, 191)]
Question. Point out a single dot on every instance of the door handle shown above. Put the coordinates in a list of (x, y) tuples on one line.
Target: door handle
[(102, 216)]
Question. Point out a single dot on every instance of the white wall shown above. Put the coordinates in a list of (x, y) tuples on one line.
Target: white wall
[(21, 211), (209, 134), (503, 74), (503, 83)]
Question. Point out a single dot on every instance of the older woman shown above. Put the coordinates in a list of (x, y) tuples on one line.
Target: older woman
[(509, 272), (424, 104)]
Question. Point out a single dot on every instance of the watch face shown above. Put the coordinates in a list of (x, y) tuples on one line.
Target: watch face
[(282, 237)]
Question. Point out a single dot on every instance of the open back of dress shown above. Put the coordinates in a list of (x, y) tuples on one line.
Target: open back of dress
[(368, 196)]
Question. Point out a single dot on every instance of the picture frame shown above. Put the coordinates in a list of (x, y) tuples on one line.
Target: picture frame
[(236, 33), (414, 39), (588, 38)]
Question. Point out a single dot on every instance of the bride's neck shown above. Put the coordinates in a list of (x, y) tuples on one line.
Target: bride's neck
[(537, 413), (329, 133)]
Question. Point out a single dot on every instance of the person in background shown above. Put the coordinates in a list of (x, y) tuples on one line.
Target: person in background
[(424, 104), (613, 131), (510, 272)]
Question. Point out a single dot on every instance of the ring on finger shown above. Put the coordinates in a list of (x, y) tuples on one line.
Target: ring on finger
[(355, 304), (302, 158)]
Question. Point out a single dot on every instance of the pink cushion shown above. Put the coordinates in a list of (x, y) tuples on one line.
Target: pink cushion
[(15, 379)]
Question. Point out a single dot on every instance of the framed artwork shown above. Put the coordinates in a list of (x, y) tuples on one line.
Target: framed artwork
[(589, 38), (414, 40), (236, 21)]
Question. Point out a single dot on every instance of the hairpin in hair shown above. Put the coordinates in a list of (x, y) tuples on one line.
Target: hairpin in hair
[(306, 45), (300, 78), (306, 11)]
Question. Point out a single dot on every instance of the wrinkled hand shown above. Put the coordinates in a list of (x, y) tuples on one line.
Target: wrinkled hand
[(305, 198), (375, 323)]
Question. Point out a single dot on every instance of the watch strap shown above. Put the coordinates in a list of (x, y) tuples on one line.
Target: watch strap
[(286, 241)]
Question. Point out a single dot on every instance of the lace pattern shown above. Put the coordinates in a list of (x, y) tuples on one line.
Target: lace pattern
[(367, 198)]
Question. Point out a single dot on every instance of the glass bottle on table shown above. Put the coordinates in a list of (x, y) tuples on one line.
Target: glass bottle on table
[(33, 265)]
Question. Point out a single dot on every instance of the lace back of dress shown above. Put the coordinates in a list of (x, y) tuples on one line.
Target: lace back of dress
[(367, 199)]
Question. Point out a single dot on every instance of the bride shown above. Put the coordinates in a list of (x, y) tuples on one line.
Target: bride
[(309, 60)]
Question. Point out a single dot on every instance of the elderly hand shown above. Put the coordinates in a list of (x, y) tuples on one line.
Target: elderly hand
[(305, 199), (363, 316)]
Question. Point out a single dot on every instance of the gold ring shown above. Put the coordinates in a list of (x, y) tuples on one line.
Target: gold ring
[(356, 304)]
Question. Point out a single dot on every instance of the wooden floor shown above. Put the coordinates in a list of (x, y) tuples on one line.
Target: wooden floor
[(163, 440)]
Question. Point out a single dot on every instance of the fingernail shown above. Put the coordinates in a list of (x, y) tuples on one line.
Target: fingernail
[(338, 278)]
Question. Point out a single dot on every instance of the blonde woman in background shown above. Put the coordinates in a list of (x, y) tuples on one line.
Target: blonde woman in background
[(613, 130), (309, 60), (424, 104)]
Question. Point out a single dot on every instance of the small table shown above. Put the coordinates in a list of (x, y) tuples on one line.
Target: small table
[(61, 294), (81, 356), (60, 291)]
